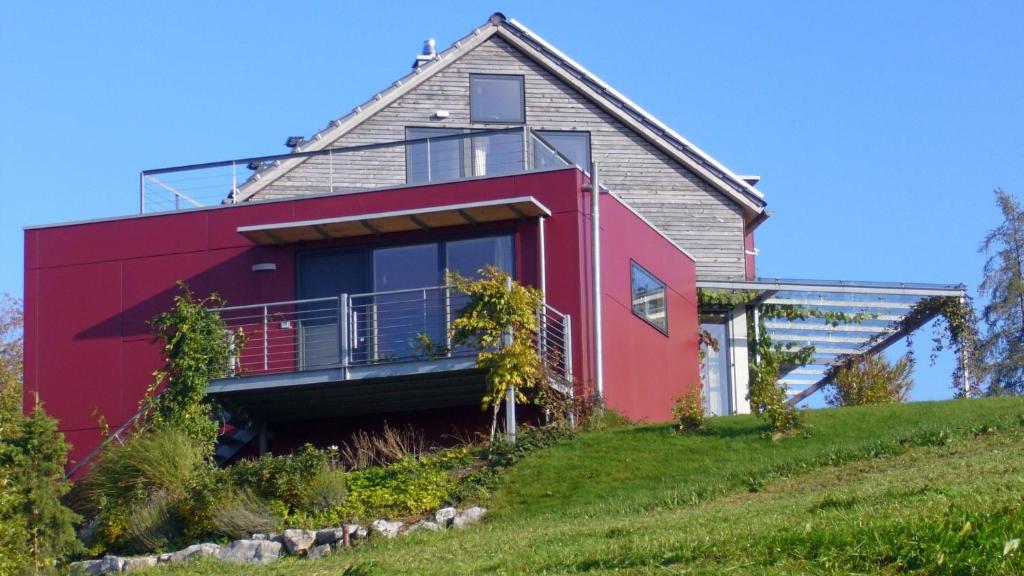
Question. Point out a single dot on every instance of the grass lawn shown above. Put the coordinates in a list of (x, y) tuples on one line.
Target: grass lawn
[(929, 488)]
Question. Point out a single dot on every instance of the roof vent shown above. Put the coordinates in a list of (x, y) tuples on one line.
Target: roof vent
[(429, 53), (294, 141)]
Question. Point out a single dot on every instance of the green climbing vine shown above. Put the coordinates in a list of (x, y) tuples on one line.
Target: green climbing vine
[(955, 328)]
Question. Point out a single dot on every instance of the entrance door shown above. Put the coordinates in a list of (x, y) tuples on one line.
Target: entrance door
[(326, 275), (715, 372)]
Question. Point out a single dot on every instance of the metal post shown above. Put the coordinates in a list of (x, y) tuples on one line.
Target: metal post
[(595, 223), (448, 320), (266, 344), (142, 192), (510, 400), (965, 369), (567, 344), (430, 177), (343, 334), (234, 183), (757, 331), (526, 148), (543, 261), (262, 438)]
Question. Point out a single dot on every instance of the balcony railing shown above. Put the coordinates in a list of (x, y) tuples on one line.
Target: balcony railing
[(357, 330), (449, 157)]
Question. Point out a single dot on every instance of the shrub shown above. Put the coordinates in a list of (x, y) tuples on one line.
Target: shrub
[(689, 410), (135, 491), (241, 513), (325, 491), (409, 486), (284, 478), (871, 380), (391, 445)]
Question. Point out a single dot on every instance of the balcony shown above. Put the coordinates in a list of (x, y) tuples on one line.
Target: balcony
[(370, 341), (452, 155)]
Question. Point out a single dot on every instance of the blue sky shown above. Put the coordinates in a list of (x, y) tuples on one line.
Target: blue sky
[(880, 128)]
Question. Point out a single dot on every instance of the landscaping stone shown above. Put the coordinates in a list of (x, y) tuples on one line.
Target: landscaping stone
[(138, 563), (86, 567), (250, 552), (299, 541), (329, 535), (163, 558), (424, 525), (388, 529), (204, 549), (469, 516), (319, 551), (260, 537), (357, 532), (445, 516)]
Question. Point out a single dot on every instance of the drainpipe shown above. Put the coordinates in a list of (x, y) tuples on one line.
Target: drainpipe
[(595, 234)]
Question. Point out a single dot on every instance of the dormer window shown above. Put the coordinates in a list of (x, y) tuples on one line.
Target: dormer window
[(497, 98)]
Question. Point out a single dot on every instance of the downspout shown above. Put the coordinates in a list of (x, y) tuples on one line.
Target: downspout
[(595, 235)]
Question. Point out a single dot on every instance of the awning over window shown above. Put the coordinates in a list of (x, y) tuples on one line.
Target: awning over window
[(882, 306), (397, 221)]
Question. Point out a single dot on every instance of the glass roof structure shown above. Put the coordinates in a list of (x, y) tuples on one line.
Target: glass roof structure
[(882, 307)]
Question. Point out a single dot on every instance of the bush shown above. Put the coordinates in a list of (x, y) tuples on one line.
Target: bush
[(390, 445), (301, 482), (871, 380), (689, 410), (241, 513), (137, 492), (325, 491), (409, 486)]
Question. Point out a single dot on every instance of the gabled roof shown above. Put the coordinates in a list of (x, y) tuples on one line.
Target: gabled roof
[(563, 67)]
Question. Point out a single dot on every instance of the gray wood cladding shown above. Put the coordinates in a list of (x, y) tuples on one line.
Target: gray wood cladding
[(691, 212)]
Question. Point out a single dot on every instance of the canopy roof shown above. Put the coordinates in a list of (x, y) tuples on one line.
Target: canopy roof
[(882, 307)]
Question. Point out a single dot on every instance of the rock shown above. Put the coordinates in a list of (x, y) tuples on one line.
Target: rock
[(163, 558), (259, 537), (445, 516), (250, 552), (329, 535), (319, 551), (469, 516), (86, 567), (105, 565), (386, 528), (424, 525), (357, 532), (299, 541), (204, 549), (138, 563)]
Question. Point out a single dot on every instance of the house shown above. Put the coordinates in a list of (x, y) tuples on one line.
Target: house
[(331, 258)]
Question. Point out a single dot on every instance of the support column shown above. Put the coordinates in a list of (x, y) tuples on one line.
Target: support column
[(735, 346), (510, 414)]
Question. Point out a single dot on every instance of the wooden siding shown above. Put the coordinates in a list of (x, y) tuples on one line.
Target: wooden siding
[(690, 211)]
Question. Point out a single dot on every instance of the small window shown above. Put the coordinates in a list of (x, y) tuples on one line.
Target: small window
[(574, 146), (649, 298), (496, 98)]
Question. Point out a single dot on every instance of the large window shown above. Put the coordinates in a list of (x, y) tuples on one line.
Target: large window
[(433, 160), (649, 297), (496, 98), (573, 145)]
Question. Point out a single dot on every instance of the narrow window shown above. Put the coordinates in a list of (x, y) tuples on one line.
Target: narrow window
[(573, 146), (496, 98), (649, 297), (433, 160)]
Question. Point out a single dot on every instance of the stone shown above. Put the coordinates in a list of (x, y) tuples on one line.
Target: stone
[(388, 529), (109, 565), (85, 567), (469, 516), (204, 549), (299, 541), (259, 537), (138, 563), (424, 525), (357, 532), (163, 558), (319, 551), (329, 535), (445, 516), (250, 552)]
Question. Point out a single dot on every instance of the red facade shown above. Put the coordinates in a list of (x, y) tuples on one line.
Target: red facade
[(90, 289)]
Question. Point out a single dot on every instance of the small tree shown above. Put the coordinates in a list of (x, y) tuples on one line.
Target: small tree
[(196, 349), (501, 323), (871, 379), (11, 355), (1002, 346), (32, 463)]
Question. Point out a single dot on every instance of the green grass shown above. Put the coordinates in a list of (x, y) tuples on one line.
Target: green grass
[(926, 488)]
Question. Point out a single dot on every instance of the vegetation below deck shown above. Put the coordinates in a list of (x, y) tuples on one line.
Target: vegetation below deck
[(931, 488)]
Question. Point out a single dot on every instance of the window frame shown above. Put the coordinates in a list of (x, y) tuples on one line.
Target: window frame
[(522, 98), (664, 288)]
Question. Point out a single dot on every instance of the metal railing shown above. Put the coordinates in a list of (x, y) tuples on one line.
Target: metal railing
[(471, 153), (367, 329)]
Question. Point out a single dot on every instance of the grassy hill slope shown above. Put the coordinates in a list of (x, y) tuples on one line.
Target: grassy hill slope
[(931, 488)]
